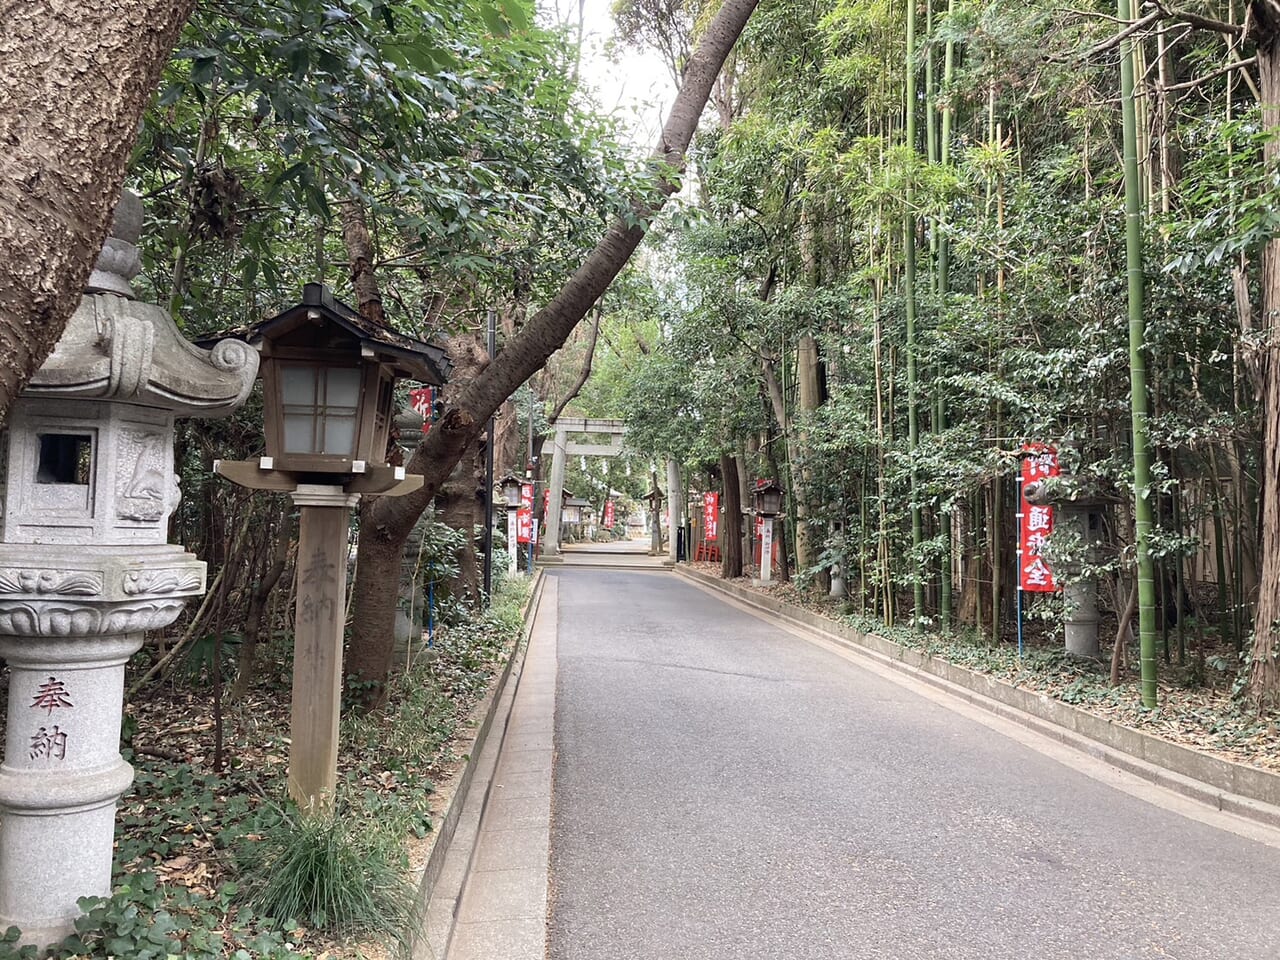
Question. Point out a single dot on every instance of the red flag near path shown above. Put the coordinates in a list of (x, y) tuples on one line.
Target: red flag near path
[(524, 516), (1039, 461), (710, 515)]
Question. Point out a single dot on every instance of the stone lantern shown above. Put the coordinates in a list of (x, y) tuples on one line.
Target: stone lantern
[(511, 486), (655, 498), (1080, 510), (87, 484)]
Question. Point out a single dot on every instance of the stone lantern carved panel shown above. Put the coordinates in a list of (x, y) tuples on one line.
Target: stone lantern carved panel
[(145, 487)]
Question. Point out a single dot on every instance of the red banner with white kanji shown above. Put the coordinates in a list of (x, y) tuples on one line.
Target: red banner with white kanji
[(420, 400), (608, 513), (1039, 461), (710, 515), (524, 516)]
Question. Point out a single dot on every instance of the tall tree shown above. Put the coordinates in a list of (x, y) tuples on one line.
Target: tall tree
[(1264, 677), (75, 77), (386, 524)]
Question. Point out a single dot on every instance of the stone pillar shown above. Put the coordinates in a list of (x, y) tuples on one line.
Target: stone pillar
[(317, 644), (551, 540), (61, 778), (766, 550), (1080, 632), (838, 589), (513, 546)]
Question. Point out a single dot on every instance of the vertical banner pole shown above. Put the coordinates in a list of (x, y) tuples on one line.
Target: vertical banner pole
[(1018, 554)]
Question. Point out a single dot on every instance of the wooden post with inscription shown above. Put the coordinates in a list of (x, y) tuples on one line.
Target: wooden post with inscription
[(317, 643), (319, 612)]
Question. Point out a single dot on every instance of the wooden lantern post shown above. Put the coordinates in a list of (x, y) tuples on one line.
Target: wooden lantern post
[(328, 394)]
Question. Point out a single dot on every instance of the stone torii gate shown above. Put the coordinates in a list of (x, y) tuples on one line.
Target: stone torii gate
[(615, 429)]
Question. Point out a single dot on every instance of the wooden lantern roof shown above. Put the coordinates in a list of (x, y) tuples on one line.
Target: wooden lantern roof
[(407, 357)]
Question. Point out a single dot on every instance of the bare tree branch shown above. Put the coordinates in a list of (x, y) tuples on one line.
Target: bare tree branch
[(585, 374)]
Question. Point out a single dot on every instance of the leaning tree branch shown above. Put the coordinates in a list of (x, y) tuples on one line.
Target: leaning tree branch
[(1204, 23), (1191, 84), (545, 332), (1118, 38), (1160, 12), (585, 374)]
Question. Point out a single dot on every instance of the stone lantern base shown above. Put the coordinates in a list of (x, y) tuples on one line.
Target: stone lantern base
[(69, 620)]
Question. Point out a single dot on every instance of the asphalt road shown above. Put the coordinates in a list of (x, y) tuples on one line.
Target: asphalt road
[(726, 790)]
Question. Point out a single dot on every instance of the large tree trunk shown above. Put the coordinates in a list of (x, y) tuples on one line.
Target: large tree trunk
[(1264, 675), (376, 587), (810, 398), (74, 80), (731, 527), (390, 520)]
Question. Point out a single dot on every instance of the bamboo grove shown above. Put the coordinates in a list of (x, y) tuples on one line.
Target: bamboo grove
[(923, 235)]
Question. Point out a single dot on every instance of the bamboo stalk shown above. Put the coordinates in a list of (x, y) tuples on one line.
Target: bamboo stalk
[(1138, 373), (909, 280)]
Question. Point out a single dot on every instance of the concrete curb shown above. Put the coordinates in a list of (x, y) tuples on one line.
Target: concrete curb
[(458, 786), (1231, 787)]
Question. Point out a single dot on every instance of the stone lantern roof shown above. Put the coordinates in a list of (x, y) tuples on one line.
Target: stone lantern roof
[(116, 347)]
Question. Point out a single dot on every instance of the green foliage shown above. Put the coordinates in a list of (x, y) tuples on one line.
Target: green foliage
[(455, 125), (143, 920)]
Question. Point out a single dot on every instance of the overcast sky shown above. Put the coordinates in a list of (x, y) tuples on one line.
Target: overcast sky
[(635, 87)]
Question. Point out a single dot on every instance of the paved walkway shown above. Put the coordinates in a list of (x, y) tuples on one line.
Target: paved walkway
[(630, 554), (503, 910), (724, 790)]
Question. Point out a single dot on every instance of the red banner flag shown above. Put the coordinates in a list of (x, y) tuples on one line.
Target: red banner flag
[(608, 513), (711, 515), (524, 516), (1035, 521), (420, 399)]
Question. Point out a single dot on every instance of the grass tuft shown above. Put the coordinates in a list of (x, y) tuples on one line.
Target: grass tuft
[(335, 872)]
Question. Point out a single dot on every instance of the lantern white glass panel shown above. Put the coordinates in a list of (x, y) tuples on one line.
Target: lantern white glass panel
[(341, 400), (320, 409), (299, 433), (299, 386), (339, 435)]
